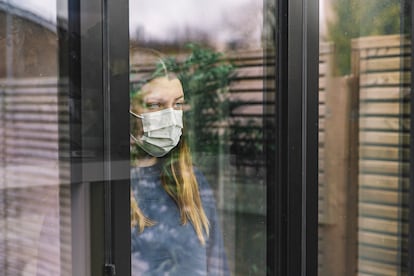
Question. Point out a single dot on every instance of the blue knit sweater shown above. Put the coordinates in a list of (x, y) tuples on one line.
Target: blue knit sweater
[(170, 248)]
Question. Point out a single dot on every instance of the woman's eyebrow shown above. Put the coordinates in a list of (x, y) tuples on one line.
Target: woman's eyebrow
[(178, 98), (160, 99)]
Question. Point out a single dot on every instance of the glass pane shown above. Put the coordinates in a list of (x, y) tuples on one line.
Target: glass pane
[(34, 190), (364, 124), (214, 55)]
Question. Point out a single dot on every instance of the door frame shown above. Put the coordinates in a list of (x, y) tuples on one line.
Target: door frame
[(97, 64), (293, 177)]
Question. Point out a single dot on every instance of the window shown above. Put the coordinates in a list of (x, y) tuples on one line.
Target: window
[(226, 74)]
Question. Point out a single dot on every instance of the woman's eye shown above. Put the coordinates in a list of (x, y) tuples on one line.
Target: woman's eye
[(178, 105), (153, 105)]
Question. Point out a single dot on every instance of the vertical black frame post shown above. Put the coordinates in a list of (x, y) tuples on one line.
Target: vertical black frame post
[(80, 146), (98, 61), (294, 251), (116, 129)]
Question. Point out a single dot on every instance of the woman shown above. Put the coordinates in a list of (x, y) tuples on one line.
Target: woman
[(175, 230)]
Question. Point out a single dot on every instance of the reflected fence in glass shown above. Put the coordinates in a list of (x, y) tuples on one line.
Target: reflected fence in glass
[(364, 124), (34, 183)]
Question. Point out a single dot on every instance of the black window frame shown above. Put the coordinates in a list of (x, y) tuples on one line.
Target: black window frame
[(94, 54), (293, 177)]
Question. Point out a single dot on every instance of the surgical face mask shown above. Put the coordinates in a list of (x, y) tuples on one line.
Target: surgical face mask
[(162, 131)]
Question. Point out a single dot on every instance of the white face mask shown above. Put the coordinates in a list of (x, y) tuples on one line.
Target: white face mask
[(162, 131)]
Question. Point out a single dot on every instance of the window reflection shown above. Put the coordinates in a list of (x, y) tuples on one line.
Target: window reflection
[(33, 201), (364, 138)]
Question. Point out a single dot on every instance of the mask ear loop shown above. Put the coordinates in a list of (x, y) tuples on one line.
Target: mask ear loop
[(134, 138), (136, 115)]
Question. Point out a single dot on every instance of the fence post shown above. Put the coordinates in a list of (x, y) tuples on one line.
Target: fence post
[(340, 157)]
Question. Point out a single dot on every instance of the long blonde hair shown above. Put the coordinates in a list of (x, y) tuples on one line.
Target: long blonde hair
[(179, 181)]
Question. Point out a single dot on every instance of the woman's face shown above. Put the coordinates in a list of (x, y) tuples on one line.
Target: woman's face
[(160, 93)]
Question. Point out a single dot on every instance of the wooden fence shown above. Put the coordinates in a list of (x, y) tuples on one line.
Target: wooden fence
[(364, 160), (383, 67), (338, 164)]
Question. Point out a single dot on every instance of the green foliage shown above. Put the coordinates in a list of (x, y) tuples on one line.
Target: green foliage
[(356, 18), (205, 77)]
